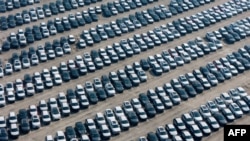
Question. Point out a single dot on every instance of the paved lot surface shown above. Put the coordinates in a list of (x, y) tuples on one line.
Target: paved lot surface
[(150, 125)]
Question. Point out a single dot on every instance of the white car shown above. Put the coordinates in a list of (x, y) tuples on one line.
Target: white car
[(1, 72), (52, 30), (110, 89), (65, 109), (17, 65), (118, 111), (55, 113), (25, 63), (52, 103), (49, 138), (90, 123), (60, 136), (40, 13), (59, 51), (79, 90), (43, 105), (84, 102), (33, 110), (1, 89), (20, 93), (2, 100), (18, 83), (35, 122), (88, 87), (74, 104), (45, 117), (9, 86), (105, 131), (97, 83), (71, 39), (48, 83), (61, 97), (8, 68), (100, 119), (11, 98), (114, 127), (12, 118), (109, 114), (14, 130), (39, 85), (57, 79), (66, 48), (124, 123), (30, 90), (2, 122), (34, 60)]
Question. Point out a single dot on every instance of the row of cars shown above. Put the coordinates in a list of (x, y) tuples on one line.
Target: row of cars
[(51, 8), (114, 82), (155, 101), (180, 55), (32, 15), (8, 5), (54, 8), (138, 43), (65, 104), (114, 28), (72, 21), (116, 7), (201, 122), (22, 38), (232, 33)]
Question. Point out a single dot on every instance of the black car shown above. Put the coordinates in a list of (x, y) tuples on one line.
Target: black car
[(70, 94), (6, 46), (22, 114), (197, 86), (236, 36), (27, 79), (229, 38), (219, 76), (133, 119), (66, 76), (94, 17), (144, 64), (244, 62), (101, 94), (220, 118), (204, 70), (190, 90), (94, 135), (173, 10), (150, 110), (151, 136), (3, 133), (105, 79), (25, 126), (96, 38), (74, 73), (118, 86), (182, 93), (15, 44), (143, 99), (80, 128), (70, 133), (127, 84), (92, 97)]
